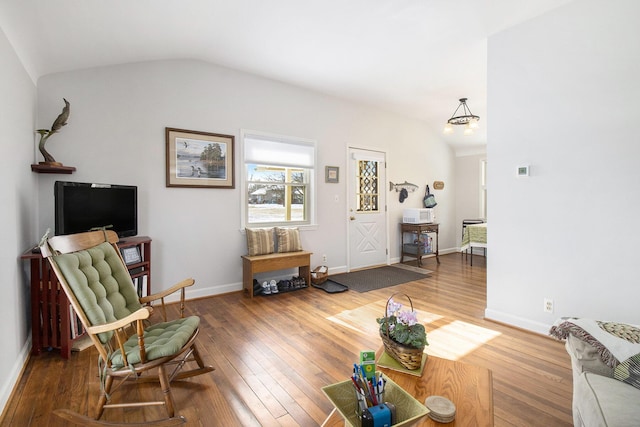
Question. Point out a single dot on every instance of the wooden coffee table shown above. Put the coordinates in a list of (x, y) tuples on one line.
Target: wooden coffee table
[(469, 387)]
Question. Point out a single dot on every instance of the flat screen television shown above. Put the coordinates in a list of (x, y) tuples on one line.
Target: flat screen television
[(81, 206)]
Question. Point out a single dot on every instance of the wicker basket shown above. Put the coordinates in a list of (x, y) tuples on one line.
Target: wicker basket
[(408, 410), (407, 356), (318, 277)]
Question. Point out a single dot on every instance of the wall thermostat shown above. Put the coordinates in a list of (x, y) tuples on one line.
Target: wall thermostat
[(523, 170)]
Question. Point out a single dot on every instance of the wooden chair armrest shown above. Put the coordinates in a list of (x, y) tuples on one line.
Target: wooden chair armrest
[(154, 297), (160, 296), (141, 314)]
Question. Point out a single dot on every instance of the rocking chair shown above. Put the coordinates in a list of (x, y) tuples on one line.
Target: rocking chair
[(97, 283)]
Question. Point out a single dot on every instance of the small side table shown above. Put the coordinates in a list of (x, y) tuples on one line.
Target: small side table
[(416, 250)]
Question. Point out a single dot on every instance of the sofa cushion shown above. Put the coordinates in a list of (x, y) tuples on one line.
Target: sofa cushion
[(615, 342), (598, 398), (629, 371), (604, 401), (259, 241), (586, 358)]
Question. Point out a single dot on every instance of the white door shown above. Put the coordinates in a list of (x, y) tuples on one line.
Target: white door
[(367, 209)]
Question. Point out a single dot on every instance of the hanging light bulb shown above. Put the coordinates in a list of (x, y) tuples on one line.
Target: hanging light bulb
[(468, 130), (473, 123), (448, 129)]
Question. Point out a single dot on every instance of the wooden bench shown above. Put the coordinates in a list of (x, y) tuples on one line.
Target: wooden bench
[(273, 262)]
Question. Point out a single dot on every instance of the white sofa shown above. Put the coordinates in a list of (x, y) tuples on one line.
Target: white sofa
[(598, 398)]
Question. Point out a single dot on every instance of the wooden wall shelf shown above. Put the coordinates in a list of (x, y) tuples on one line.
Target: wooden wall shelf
[(52, 169)]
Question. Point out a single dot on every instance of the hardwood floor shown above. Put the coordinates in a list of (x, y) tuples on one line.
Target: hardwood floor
[(273, 354)]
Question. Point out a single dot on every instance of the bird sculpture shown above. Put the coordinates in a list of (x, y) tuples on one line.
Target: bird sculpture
[(60, 121)]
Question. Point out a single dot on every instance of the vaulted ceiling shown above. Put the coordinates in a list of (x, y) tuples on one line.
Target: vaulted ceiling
[(413, 57)]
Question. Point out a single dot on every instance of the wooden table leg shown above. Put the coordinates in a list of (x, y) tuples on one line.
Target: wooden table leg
[(304, 271), (247, 278)]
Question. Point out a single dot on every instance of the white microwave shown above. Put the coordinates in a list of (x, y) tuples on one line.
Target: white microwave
[(418, 215)]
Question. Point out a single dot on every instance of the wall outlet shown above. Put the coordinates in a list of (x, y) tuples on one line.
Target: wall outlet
[(324, 258), (548, 305)]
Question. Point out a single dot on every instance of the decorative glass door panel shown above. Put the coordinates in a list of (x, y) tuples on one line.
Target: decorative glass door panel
[(368, 185)]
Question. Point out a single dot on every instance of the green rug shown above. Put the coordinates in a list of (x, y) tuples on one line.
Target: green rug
[(377, 278)]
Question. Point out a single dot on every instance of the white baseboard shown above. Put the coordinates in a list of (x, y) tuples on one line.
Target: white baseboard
[(234, 287), (337, 270), (207, 292), (15, 373), (517, 321), (448, 251), (396, 260)]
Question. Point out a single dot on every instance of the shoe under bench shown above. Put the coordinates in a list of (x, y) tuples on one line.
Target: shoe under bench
[(272, 262)]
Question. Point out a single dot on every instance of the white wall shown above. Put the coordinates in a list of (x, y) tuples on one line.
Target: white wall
[(116, 135), (468, 194), (18, 210), (563, 98), (467, 173)]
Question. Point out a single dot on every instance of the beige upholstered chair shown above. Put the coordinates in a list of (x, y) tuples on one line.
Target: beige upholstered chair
[(96, 281)]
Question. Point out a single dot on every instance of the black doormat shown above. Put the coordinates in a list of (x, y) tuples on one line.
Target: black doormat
[(331, 287), (377, 278)]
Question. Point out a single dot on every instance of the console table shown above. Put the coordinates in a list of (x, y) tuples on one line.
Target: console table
[(418, 232), (52, 319)]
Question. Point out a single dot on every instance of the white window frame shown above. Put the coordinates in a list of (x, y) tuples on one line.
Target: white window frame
[(483, 189), (310, 222)]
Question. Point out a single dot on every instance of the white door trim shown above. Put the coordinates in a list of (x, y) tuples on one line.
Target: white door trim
[(349, 182)]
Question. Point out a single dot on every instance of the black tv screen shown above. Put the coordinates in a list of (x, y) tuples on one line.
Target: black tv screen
[(81, 206)]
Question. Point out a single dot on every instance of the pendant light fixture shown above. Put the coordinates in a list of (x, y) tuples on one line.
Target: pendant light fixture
[(466, 118)]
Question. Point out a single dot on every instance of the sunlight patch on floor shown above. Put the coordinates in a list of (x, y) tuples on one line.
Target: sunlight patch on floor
[(457, 339), (451, 341), (363, 319)]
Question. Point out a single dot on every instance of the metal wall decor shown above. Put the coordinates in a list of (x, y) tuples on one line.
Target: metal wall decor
[(402, 186)]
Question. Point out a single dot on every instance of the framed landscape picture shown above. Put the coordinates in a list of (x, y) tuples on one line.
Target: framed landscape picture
[(199, 159)]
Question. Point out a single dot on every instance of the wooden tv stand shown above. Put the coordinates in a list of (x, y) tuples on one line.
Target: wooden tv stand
[(50, 309)]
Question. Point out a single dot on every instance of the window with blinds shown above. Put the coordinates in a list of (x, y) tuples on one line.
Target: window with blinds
[(279, 177)]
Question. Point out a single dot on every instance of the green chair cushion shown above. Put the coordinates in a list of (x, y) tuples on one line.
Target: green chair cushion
[(101, 283), (160, 340)]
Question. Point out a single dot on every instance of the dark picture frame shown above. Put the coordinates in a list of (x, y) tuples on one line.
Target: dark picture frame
[(199, 159), (131, 255), (332, 174)]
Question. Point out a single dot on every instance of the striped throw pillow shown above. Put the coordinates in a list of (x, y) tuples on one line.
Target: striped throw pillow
[(259, 241), (288, 239)]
